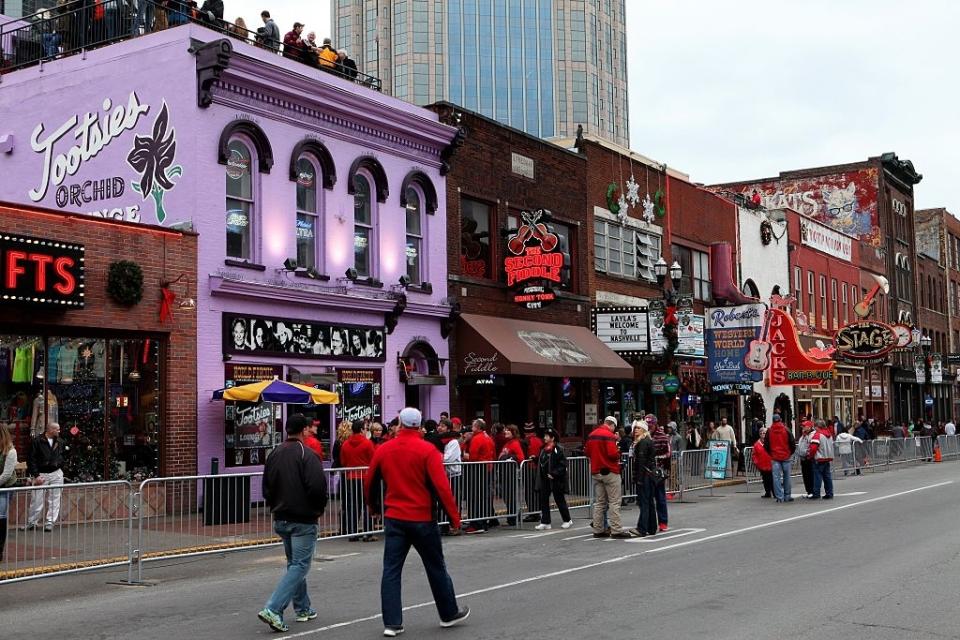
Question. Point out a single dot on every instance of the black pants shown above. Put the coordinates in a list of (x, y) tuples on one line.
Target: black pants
[(506, 483), (646, 488), (531, 491), (806, 468), (556, 488), (767, 477), (352, 507), (479, 493)]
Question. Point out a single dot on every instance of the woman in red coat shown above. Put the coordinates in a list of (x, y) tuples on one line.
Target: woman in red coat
[(764, 464), (507, 473)]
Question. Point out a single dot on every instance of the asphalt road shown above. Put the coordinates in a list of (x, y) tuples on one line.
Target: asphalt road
[(879, 562)]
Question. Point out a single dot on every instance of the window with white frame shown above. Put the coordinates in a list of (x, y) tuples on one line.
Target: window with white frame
[(241, 174), (833, 302), (823, 302), (363, 236), (696, 271), (846, 305), (811, 304), (798, 287), (614, 249), (307, 212), (415, 225), (648, 252)]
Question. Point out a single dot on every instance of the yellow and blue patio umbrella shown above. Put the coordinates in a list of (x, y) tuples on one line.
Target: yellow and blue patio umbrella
[(277, 391)]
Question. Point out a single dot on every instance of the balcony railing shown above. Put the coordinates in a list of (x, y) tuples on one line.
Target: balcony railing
[(80, 25)]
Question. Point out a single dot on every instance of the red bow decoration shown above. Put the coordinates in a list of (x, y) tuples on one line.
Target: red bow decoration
[(166, 301), (670, 317)]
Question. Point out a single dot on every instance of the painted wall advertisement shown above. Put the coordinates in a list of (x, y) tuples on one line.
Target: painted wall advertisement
[(845, 202), (251, 429), (729, 331), (825, 239), (114, 159)]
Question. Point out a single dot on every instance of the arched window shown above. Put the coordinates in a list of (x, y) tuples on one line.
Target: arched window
[(241, 175), (415, 231), (363, 222), (308, 210)]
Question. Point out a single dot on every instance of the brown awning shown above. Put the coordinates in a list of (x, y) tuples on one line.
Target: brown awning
[(489, 345)]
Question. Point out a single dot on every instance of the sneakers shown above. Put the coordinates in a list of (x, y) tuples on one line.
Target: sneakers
[(462, 615), (48, 527), (567, 524), (473, 529), (622, 535), (273, 620), (392, 632), (28, 527), (662, 526), (543, 527), (828, 497), (532, 518), (306, 616)]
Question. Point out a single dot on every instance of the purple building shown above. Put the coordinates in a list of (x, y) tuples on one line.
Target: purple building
[(320, 207)]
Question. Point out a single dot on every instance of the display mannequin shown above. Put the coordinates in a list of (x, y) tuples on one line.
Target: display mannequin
[(37, 421)]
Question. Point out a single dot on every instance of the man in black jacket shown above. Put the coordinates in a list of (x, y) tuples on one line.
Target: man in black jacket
[(45, 466), (295, 489)]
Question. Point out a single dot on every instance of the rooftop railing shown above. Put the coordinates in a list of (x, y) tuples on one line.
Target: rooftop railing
[(80, 25)]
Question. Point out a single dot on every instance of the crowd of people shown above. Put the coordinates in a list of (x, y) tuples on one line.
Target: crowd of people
[(75, 24)]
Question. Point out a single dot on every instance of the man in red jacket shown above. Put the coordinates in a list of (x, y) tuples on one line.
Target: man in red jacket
[(356, 451), (412, 470), (780, 444), (478, 491), (604, 456)]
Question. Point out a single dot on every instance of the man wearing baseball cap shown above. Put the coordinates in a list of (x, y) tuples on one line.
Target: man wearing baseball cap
[(412, 470), (604, 456)]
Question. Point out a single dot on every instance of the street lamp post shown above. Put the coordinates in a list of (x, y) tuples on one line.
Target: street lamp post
[(667, 307), (927, 388)]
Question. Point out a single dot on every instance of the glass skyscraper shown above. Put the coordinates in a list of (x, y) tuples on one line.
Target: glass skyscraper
[(542, 66)]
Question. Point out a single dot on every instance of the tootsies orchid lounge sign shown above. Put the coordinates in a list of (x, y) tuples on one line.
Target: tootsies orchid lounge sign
[(534, 265), (40, 272)]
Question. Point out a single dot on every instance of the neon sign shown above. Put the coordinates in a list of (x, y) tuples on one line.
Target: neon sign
[(42, 272)]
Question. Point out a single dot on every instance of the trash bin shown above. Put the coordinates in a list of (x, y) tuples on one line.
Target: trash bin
[(226, 500)]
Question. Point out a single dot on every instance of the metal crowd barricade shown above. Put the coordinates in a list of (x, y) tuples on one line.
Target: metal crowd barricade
[(948, 446), (751, 472), (690, 472), (92, 529), (579, 486), (487, 491), (628, 484)]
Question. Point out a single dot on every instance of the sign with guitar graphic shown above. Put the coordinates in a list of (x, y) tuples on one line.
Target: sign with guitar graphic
[(534, 265), (789, 364), (728, 334), (863, 308), (758, 351)]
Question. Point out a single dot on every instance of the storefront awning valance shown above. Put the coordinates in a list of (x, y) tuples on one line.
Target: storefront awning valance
[(490, 345)]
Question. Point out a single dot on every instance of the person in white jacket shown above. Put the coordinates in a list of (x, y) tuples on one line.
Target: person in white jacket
[(846, 443), (452, 457)]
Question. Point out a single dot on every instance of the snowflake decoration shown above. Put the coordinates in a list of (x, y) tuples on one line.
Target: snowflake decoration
[(622, 202), (86, 354), (648, 208), (633, 191)]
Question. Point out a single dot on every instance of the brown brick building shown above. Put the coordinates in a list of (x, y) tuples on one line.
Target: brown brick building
[(120, 382), (522, 349), (686, 220)]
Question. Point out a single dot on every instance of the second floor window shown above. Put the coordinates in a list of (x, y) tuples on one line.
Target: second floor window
[(696, 271), (241, 202), (307, 210), (414, 237), (475, 223), (362, 227), (614, 249)]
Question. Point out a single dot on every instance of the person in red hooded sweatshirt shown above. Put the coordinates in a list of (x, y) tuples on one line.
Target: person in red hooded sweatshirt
[(780, 444), (310, 438), (356, 451), (480, 448), (412, 471), (604, 456), (507, 473), (764, 464)]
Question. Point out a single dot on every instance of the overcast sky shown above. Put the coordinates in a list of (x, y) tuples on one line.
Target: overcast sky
[(737, 89)]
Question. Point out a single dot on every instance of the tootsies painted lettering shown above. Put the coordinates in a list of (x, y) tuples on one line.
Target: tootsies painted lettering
[(93, 134)]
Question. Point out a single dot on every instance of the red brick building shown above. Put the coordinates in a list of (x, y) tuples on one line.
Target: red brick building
[(872, 201), (521, 348), (685, 220), (120, 381)]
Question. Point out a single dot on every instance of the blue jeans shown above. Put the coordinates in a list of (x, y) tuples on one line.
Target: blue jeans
[(660, 494), (822, 473), (781, 479), (425, 538), (299, 541), (51, 45)]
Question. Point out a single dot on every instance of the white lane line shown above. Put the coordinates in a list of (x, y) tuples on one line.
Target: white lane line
[(629, 556), (852, 493), (802, 516), (673, 533), (586, 535)]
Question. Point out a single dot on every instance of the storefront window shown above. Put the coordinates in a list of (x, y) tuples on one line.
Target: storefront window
[(363, 226), (414, 236), (251, 429), (67, 380)]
